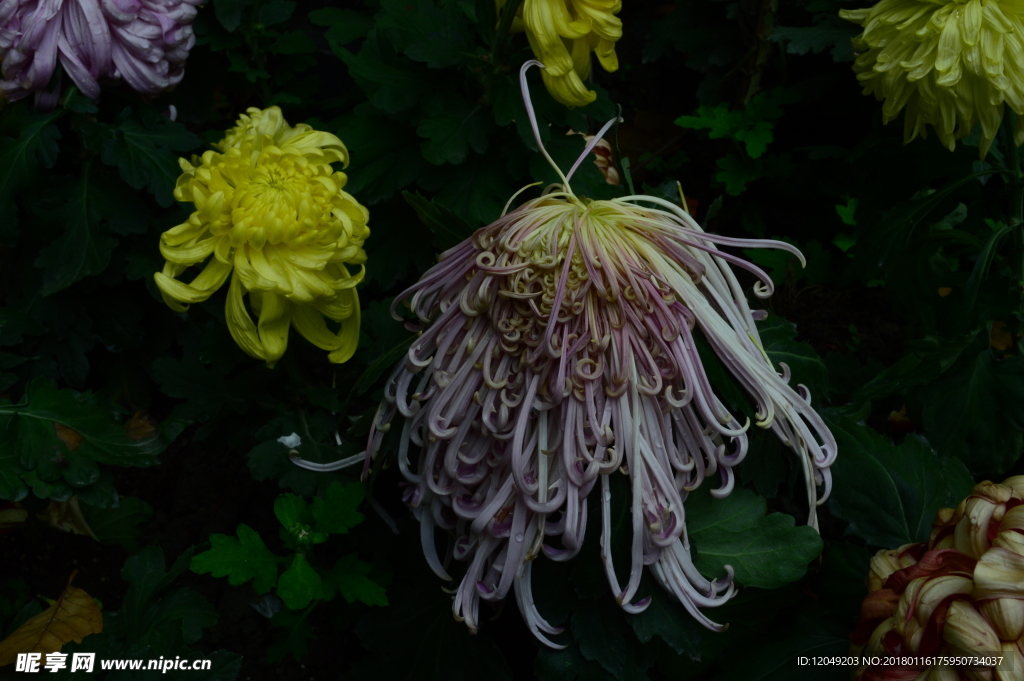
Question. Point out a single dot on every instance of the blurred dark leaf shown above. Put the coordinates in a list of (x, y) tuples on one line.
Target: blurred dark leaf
[(889, 494)]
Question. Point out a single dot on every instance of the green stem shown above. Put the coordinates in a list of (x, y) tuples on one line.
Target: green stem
[(508, 14)]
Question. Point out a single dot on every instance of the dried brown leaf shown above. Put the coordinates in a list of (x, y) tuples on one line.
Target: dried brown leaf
[(67, 516), (142, 426), (74, 616), (71, 438)]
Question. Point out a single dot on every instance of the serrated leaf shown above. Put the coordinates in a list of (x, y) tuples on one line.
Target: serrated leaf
[(448, 228), (451, 135), (778, 337), (391, 88), (889, 494), (380, 365), (229, 13), (567, 665), (142, 153), (336, 512), (32, 430), (240, 560), (119, 524), (975, 411), (600, 631), (349, 577), (669, 621), (476, 190), (344, 25), (299, 584), (276, 11), (426, 32), (816, 39), (385, 153), (928, 358), (147, 574), (83, 249), (294, 42), (35, 145), (291, 510), (181, 614), (766, 551)]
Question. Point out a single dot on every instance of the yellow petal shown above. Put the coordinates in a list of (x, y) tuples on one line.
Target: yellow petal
[(310, 323), (275, 318), (209, 280), (349, 333), (240, 324)]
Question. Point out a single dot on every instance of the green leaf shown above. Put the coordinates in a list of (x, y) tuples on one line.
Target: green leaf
[(229, 13), (147, 577), (669, 621), (276, 12), (831, 35), (567, 665), (293, 640), (385, 153), (778, 337), (450, 135), (291, 510), (426, 32), (35, 145), (600, 631), (240, 560), (35, 436), (846, 212), (349, 577), (448, 228), (300, 584), (380, 365), (889, 494), (752, 126), (766, 551), (294, 42), (183, 612), (736, 172), (83, 249), (391, 88), (119, 524), (141, 150), (344, 25), (928, 358), (897, 226), (982, 264), (477, 190), (975, 411), (336, 512)]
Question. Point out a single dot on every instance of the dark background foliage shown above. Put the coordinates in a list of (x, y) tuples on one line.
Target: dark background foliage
[(903, 325)]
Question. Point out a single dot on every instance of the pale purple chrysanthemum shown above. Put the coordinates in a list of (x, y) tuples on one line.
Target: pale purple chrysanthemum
[(558, 346), (143, 42)]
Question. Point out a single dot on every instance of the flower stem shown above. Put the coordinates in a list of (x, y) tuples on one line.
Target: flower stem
[(508, 14)]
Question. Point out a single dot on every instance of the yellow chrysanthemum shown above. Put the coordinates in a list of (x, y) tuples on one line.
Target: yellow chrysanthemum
[(272, 213), (952, 63), (562, 34)]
